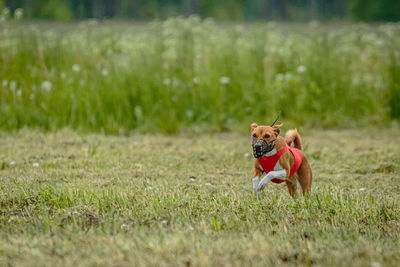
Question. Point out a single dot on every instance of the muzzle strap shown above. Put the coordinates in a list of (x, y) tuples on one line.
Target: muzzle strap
[(265, 147)]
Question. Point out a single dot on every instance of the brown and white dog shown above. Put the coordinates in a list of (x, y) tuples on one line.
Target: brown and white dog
[(267, 144)]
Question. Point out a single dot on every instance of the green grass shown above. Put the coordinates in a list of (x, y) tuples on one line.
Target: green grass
[(68, 199), (184, 74)]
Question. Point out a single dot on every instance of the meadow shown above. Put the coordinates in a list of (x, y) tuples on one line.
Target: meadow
[(196, 75), (127, 143), (68, 199)]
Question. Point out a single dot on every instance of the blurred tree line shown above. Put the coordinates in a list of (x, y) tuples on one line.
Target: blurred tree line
[(298, 10)]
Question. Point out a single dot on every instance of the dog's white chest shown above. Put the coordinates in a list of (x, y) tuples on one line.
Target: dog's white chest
[(278, 166)]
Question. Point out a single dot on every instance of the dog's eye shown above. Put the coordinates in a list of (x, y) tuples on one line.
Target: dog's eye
[(254, 135), (266, 136)]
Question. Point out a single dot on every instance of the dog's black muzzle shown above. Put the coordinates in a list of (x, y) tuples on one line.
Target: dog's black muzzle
[(261, 146)]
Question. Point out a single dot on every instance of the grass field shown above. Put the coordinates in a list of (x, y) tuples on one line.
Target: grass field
[(68, 199), (179, 74), (72, 194)]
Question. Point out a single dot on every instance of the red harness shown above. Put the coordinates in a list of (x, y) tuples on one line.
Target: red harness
[(268, 162)]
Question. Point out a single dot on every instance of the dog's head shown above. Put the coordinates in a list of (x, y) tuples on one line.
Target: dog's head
[(263, 138)]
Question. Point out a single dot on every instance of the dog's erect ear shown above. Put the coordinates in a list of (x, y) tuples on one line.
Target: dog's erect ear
[(277, 128), (253, 125)]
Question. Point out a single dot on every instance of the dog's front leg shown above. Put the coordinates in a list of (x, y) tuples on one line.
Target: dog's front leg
[(257, 173), (267, 178), (264, 181), (256, 181)]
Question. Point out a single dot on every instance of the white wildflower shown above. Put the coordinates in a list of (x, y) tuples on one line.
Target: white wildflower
[(280, 77), (6, 13), (167, 81), (301, 69), (164, 222), (224, 80), (208, 184), (195, 80), (124, 226), (192, 179), (149, 188), (35, 164), (362, 189), (104, 72), (19, 92), (13, 85), (189, 113), (191, 228), (76, 68), (18, 14), (46, 85), (356, 80), (12, 162), (246, 155)]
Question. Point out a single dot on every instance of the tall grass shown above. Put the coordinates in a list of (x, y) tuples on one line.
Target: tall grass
[(187, 73)]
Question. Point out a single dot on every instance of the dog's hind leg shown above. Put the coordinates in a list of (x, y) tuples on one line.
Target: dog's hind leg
[(305, 177), (291, 188), (299, 186)]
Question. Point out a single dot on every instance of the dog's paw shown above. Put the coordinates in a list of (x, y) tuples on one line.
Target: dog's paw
[(260, 188)]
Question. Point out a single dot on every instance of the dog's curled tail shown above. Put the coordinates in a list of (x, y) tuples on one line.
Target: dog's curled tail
[(293, 136)]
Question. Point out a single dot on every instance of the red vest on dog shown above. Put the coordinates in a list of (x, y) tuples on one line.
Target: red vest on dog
[(268, 162)]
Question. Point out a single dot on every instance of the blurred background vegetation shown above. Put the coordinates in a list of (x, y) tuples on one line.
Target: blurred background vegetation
[(297, 10), (113, 74)]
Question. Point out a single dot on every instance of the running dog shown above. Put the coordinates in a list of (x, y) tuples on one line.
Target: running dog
[(275, 157)]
